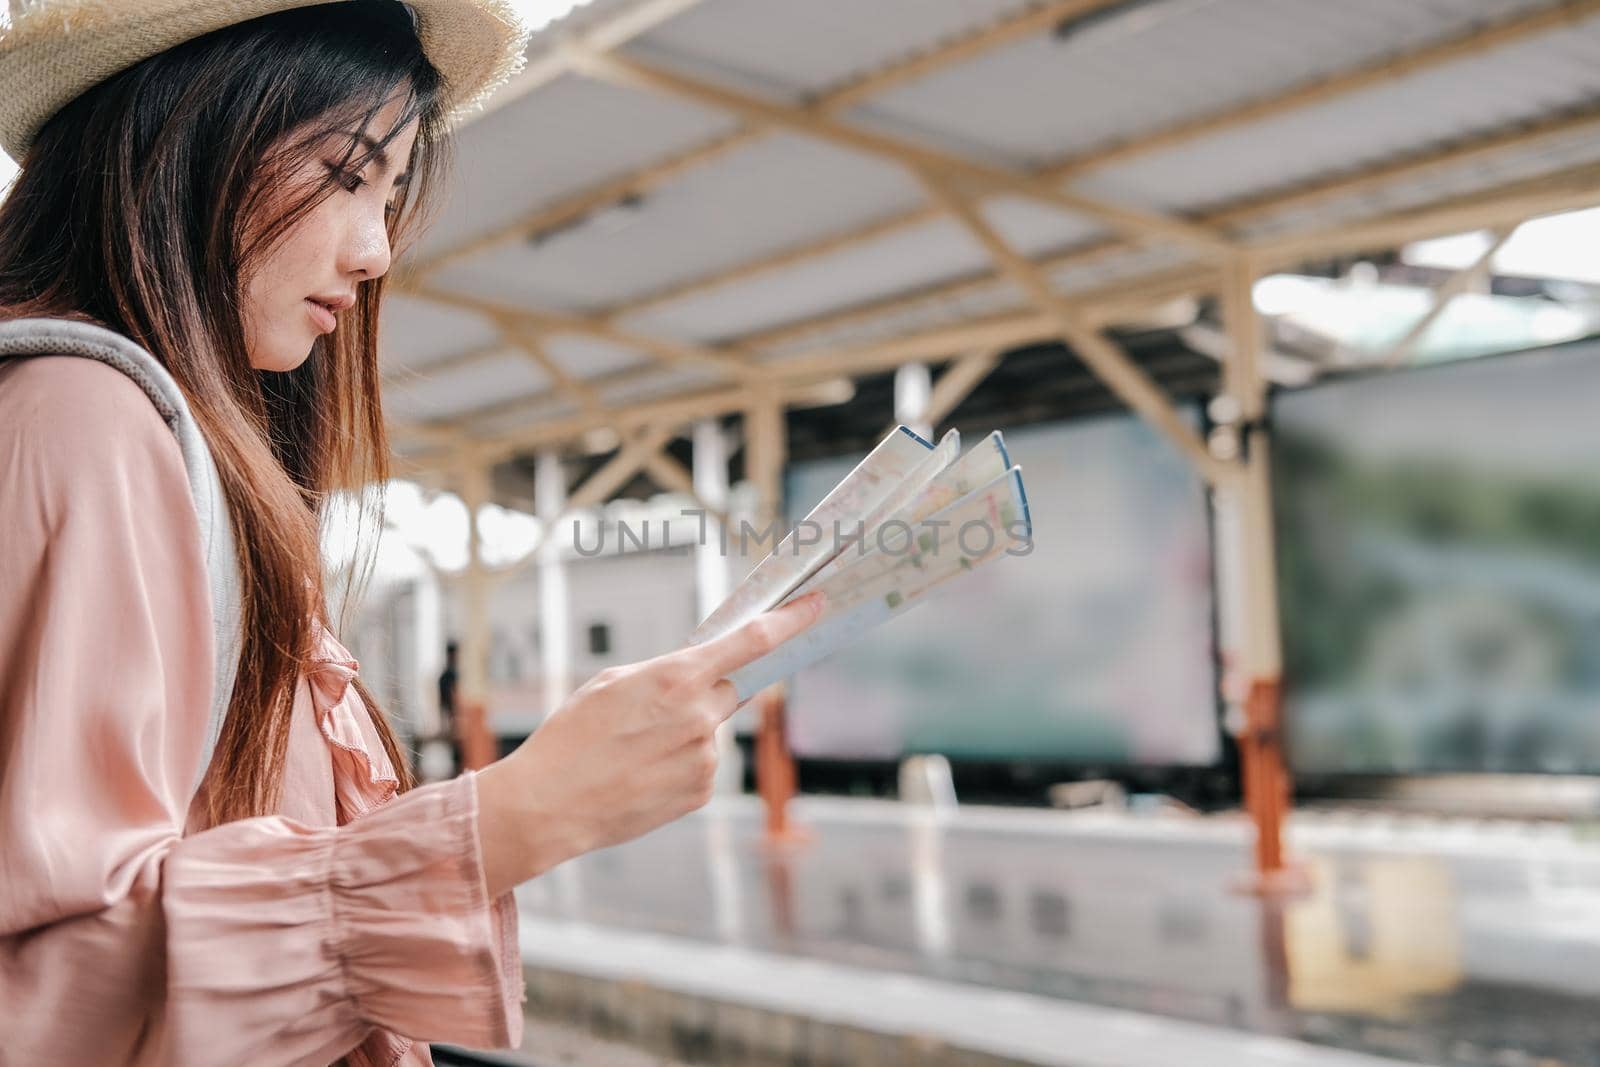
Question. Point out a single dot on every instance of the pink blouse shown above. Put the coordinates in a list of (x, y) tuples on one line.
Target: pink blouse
[(349, 919)]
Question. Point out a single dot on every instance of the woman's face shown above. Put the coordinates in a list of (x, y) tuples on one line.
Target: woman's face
[(309, 277)]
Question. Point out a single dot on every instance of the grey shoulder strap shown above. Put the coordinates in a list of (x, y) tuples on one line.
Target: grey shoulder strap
[(62, 337)]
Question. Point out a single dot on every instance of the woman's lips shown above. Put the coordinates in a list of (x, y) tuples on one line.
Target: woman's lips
[(323, 317)]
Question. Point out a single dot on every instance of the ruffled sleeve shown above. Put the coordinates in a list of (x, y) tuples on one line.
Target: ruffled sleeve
[(263, 941), (363, 776), (364, 780)]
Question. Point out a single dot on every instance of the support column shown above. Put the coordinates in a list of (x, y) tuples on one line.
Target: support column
[(555, 612), (435, 752), (1258, 658), (555, 636), (712, 583), (472, 710), (766, 453), (710, 481), (474, 681), (426, 654), (710, 484), (913, 393)]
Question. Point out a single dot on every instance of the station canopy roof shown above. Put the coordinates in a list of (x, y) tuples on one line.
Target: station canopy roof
[(679, 203)]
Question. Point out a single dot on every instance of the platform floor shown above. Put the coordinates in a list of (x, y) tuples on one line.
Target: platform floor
[(944, 1021), (1458, 942)]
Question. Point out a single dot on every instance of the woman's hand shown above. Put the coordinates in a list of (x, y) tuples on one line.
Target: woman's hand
[(630, 750)]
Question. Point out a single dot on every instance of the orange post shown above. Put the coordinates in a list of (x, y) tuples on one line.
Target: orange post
[(776, 778), (1265, 779), (473, 735)]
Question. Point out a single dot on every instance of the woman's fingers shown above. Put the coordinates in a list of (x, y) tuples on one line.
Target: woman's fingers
[(724, 699), (635, 746), (721, 657)]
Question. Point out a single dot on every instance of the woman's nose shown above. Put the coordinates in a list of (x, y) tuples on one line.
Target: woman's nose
[(368, 252)]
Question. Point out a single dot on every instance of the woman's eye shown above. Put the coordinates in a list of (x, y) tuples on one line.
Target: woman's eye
[(352, 181), (347, 178)]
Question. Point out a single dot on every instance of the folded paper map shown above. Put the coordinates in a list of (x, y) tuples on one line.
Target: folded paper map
[(911, 517)]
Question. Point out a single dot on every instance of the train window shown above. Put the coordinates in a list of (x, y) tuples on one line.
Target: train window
[(1179, 923), (983, 903), (599, 639), (1052, 916), (854, 912)]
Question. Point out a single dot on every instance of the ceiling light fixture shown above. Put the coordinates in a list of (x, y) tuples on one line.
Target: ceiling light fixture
[(607, 219), (1121, 20)]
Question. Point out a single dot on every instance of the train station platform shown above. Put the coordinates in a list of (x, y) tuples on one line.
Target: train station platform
[(999, 936), (719, 1004)]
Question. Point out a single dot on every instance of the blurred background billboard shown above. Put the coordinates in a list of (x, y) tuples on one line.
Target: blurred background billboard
[(1118, 587), (1439, 557)]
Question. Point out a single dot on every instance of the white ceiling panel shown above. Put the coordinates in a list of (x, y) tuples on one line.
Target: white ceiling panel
[(1046, 98), (980, 301), (1438, 185), (523, 418), (777, 192), (450, 393), (414, 333), (1035, 229), (663, 382), (590, 357), (568, 135), (1498, 89), (1095, 272), (507, 275), (929, 253), (807, 47), (896, 263)]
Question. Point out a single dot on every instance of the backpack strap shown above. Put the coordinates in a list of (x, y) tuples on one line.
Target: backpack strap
[(63, 337)]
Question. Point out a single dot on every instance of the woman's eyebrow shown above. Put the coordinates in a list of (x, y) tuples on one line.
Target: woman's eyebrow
[(378, 153)]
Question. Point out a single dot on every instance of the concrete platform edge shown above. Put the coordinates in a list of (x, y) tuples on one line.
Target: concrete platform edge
[(715, 1004)]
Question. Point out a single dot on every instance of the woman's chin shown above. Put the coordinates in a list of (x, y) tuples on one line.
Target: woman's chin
[(281, 358)]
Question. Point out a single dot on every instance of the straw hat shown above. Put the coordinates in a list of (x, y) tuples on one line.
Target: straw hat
[(54, 50)]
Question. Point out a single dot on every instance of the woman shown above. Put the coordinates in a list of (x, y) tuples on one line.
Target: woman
[(224, 183)]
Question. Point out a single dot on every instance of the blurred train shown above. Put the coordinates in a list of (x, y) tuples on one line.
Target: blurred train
[(1092, 655)]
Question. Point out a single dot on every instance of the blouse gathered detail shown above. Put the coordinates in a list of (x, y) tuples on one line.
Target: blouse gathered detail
[(355, 923)]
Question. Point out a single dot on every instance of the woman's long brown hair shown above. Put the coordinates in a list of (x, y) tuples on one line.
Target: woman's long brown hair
[(143, 206)]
